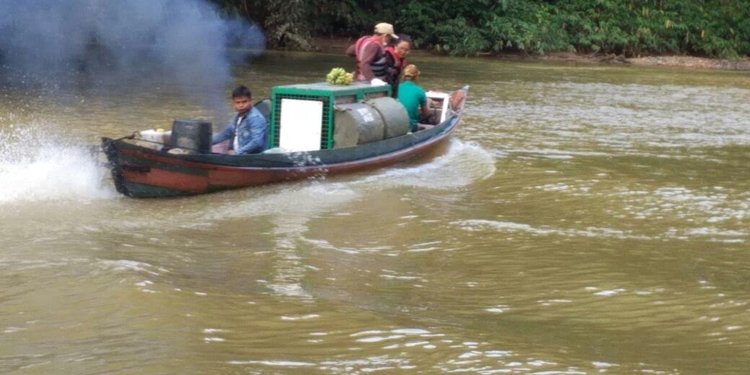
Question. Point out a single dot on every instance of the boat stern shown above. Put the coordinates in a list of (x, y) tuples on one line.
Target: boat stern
[(109, 149)]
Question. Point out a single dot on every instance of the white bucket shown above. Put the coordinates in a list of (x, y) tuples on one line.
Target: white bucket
[(156, 136)]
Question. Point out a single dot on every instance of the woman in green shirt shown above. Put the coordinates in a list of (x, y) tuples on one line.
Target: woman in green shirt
[(412, 96)]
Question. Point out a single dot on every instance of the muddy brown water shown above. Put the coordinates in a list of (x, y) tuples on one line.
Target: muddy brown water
[(584, 219)]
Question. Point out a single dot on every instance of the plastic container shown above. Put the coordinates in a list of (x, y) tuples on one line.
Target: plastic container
[(192, 135), (156, 136)]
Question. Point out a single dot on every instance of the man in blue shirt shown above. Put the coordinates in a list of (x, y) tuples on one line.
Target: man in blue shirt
[(248, 129)]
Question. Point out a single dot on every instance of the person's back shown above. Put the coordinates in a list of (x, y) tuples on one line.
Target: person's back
[(412, 96)]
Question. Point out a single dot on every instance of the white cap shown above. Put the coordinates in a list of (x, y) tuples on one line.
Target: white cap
[(386, 29)]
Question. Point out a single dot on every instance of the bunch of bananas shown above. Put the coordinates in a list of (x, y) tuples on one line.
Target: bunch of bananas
[(339, 76)]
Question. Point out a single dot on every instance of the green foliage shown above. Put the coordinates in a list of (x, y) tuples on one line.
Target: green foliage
[(286, 23), (714, 28), (457, 37)]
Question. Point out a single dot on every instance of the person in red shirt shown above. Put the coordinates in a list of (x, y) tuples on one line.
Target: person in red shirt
[(370, 54), (395, 56)]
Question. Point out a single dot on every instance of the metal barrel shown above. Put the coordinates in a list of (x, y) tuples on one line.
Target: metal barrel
[(356, 123), (395, 117)]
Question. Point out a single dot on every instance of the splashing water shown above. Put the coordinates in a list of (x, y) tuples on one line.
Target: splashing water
[(34, 167), (462, 164)]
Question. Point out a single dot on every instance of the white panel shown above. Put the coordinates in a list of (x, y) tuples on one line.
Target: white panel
[(300, 125), (442, 98)]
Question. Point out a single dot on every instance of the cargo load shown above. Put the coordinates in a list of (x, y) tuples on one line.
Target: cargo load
[(370, 121)]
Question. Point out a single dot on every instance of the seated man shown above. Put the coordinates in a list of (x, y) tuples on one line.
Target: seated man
[(413, 97), (247, 130)]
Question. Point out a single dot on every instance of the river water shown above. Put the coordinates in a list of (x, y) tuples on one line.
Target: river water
[(584, 219)]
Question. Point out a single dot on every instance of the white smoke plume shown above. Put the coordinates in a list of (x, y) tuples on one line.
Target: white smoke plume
[(183, 42)]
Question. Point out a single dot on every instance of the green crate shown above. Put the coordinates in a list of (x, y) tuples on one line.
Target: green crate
[(324, 92)]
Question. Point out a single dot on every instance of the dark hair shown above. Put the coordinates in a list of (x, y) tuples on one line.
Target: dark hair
[(401, 38), (241, 91)]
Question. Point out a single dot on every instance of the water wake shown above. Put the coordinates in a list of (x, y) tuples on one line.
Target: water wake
[(462, 164), (34, 167)]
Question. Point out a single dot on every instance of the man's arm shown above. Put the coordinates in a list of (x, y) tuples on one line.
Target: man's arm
[(223, 135), (352, 50)]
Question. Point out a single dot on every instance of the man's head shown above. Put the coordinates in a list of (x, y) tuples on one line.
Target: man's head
[(242, 99), (385, 32), (411, 72)]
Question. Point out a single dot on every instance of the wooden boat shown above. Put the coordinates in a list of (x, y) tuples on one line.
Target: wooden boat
[(143, 172)]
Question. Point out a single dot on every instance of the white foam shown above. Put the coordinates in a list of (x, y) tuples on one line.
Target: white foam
[(461, 165), (609, 293), (128, 265), (375, 339), (36, 167), (474, 225), (300, 317), (274, 363), (410, 331)]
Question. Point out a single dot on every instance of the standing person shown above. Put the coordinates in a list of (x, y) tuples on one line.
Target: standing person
[(247, 131), (369, 52), (396, 60), (413, 97)]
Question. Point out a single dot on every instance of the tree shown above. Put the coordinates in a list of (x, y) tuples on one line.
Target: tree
[(713, 28)]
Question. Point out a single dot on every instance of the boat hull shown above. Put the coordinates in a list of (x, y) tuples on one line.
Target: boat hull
[(143, 172)]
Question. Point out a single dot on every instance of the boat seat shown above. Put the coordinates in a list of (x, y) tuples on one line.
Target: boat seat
[(264, 107)]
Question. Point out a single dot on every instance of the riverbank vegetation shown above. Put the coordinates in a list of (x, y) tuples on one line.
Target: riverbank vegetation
[(630, 28)]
